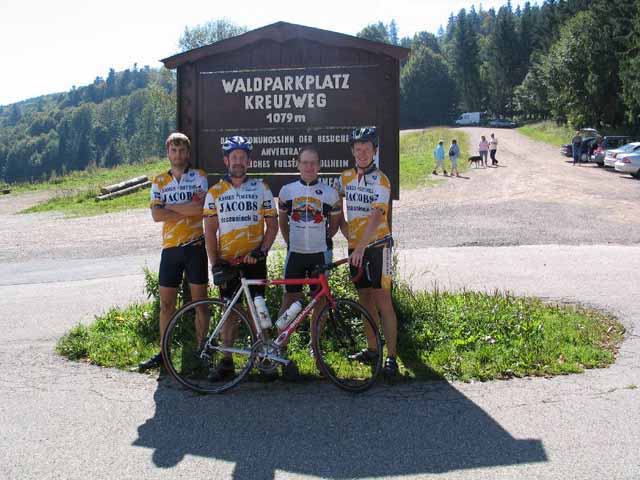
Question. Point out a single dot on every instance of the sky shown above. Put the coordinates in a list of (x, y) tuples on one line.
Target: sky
[(47, 47)]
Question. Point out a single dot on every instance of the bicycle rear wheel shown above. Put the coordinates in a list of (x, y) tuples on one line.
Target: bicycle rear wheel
[(340, 334), (192, 362)]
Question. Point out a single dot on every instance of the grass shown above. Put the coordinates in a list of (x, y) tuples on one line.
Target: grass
[(76, 192), (416, 155), (75, 204), (458, 336), (548, 132)]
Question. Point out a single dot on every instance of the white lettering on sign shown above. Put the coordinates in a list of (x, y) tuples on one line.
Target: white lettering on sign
[(307, 93)]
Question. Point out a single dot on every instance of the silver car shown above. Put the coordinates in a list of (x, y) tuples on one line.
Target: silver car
[(610, 155), (629, 163)]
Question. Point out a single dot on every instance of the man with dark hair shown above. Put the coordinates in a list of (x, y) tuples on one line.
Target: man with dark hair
[(176, 201)]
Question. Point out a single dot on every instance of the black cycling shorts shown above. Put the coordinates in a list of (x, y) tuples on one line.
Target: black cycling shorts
[(175, 260), (377, 263), (300, 265), (256, 271)]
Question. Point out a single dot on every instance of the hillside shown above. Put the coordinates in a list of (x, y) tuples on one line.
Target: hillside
[(122, 119)]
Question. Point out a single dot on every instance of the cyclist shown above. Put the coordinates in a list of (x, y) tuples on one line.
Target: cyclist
[(367, 192), (309, 216), (236, 210), (177, 197)]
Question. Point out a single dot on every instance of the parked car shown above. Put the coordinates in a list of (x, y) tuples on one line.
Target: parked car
[(589, 136), (610, 155), (629, 163), (502, 123), (608, 142)]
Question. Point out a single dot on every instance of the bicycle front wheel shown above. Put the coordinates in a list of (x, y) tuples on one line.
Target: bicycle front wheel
[(204, 355), (341, 333)]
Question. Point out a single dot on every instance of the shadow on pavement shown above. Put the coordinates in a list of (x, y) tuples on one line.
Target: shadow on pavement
[(316, 429)]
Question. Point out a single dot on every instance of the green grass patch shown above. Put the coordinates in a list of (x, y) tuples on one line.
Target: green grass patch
[(548, 132), (458, 336), (75, 193), (416, 155), (82, 204), (94, 177)]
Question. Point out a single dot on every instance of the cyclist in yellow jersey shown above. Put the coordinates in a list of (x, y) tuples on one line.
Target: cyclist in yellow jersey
[(236, 210), (177, 197), (367, 192)]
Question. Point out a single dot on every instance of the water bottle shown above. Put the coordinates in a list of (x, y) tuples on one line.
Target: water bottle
[(289, 315), (263, 312)]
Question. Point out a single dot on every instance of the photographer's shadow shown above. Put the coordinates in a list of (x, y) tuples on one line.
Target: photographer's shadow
[(315, 429)]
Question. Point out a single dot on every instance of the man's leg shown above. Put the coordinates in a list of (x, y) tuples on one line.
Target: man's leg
[(199, 292), (168, 296), (384, 304), (368, 301)]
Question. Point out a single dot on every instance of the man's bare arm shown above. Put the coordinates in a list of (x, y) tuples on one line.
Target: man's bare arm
[(160, 214), (211, 238), (270, 234), (283, 222)]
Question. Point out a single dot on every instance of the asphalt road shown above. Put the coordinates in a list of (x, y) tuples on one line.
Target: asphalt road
[(60, 419)]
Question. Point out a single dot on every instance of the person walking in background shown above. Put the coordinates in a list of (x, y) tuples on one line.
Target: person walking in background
[(454, 154), (483, 148), (576, 146), (493, 146), (438, 154)]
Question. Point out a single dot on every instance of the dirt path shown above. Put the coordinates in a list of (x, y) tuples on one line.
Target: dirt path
[(535, 196)]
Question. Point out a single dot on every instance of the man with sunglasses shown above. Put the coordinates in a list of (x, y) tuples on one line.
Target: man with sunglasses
[(367, 192)]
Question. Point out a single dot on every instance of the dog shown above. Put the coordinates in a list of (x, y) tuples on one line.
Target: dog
[(476, 160)]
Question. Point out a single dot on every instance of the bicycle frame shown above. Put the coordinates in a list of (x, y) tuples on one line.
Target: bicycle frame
[(280, 341), (324, 292)]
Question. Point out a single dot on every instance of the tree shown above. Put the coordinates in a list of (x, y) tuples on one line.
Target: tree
[(531, 97), (393, 33), (583, 78), (466, 63), (630, 73), (427, 93), (502, 68), (376, 32), (426, 39), (111, 89), (208, 33)]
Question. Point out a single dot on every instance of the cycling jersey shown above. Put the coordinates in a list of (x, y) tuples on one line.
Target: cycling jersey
[(371, 190), (241, 212), (309, 206), (166, 190)]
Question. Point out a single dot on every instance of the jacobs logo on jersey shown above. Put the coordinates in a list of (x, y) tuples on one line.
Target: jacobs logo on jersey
[(178, 197), (242, 206), (361, 197)]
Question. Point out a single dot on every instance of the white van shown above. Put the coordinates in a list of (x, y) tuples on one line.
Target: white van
[(469, 118)]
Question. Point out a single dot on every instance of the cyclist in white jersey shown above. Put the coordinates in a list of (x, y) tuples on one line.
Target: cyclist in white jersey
[(309, 216)]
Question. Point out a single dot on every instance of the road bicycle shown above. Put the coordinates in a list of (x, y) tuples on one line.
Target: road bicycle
[(203, 332)]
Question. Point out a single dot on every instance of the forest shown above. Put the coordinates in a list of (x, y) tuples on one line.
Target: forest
[(572, 61)]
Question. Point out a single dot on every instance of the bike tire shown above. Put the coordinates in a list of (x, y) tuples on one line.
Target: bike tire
[(181, 346), (339, 334)]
